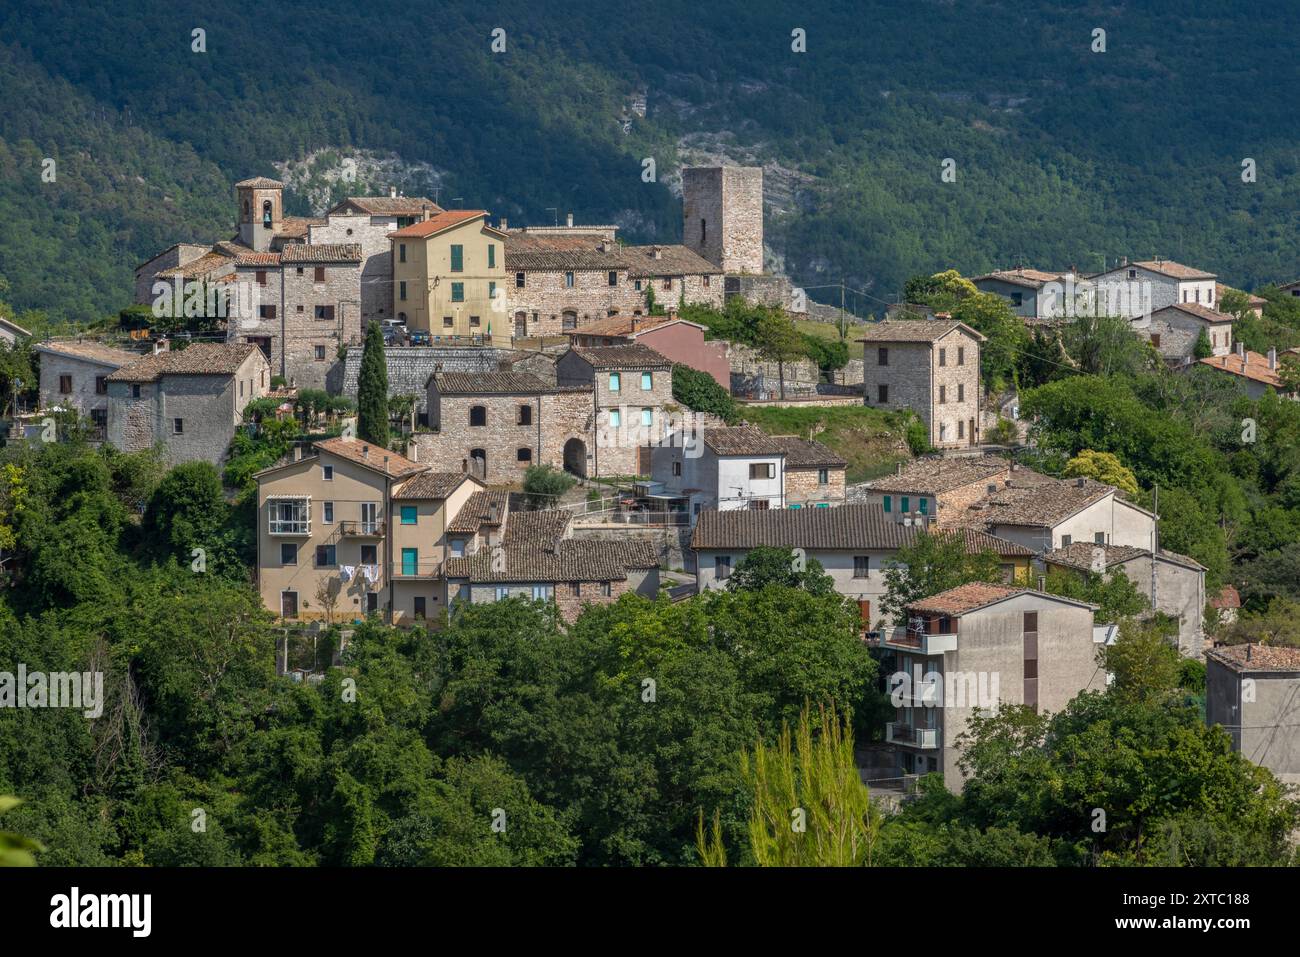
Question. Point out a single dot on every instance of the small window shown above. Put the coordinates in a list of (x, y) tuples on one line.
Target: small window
[(502, 593), (722, 566), (410, 561), (961, 392), (457, 548), (420, 609), (882, 393), (1155, 340), (320, 353), (478, 415), (1066, 541), (288, 553), (524, 456), (320, 274), (327, 512), (458, 292), (823, 476), (1099, 538), (961, 428), (615, 418), (327, 473), (882, 356), (401, 291), (178, 426), (1031, 668), (266, 312), (677, 468), (409, 514), (943, 394), (961, 355), (1031, 622), (923, 506), (101, 385), (369, 554), (943, 357), (762, 470), (135, 391), (474, 322), (647, 417), (492, 256), (65, 384), (575, 589), (525, 415), (568, 280), (605, 589), (325, 312), (647, 381), (615, 382), (447, 322), (261, 277), (541, 592), (457, 258), (401, 252), (1017, 299), (326, 557), (613, 278), (668, 283), (520, 279)]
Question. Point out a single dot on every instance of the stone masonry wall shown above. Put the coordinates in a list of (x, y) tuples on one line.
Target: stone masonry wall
[(377, 263), (311, 344), (801, 485)]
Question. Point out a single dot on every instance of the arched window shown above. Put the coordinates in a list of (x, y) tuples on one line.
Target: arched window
[(478, 463), (525, 415), (266, 214), (478, 415)]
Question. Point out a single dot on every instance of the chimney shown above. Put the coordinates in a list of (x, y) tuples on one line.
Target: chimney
[(1241, 350), (569, 220), (492, 512), (392, 192), (505, 224), (1042, 583), (385, 463), (162, 345), (1248, 652), (1124, 261), (424, 212), (899, 471), (365, 450), (658, 252), (413, 452), (1272, 358)]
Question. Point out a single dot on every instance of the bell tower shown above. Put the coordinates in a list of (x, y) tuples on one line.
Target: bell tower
[(261, 211)]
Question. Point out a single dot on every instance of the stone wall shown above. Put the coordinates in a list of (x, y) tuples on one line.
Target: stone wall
[(618, 445), (376, 275), (84, 396), (312, 344), (672, 544), (409, 367), (722, 216), (546, 298), (750, 374), (802, 486), (131, 420)]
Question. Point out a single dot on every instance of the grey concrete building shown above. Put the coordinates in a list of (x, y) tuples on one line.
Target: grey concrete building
[(931, 367), (1171, 583), (981, 645), (74, 374), (188, 401), (1253, 692)]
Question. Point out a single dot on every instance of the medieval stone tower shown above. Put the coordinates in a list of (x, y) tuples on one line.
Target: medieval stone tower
[(722, 214), (261, 213)]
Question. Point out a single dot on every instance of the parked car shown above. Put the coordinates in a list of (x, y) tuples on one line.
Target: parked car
[(419, 338)]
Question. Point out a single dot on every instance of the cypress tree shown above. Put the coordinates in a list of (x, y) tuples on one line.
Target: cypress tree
[(372, 390)]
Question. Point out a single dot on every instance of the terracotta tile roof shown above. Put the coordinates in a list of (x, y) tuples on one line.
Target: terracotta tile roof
[(673, 260), (251, 257), (561, 253), (438, 222), (934, 475), (482, 508), (976, 541), (259, 182), (966, 598), (631, 356), (540, 529), (387, 205), (1255, 657), (571, 560), (913, 330), (90, 351), (807, 453), (296, 227), (741, 440), (198, 268), (430, 485), (1228, 597), (1197, 311), (844, 527), (321, 253), (499, 383), (1081, 555), (1253, 367), (202, 358), (1036, 500), (1029, 278), (371, 456), (1167, 267)]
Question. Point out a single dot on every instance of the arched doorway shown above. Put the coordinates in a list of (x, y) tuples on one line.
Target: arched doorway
[(521, 324), (478, 463), (575, 457)]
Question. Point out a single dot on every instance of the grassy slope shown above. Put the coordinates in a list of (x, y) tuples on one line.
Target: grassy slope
[(872, 441)]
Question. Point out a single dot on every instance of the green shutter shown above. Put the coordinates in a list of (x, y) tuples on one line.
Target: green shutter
[(457, 258), (492, 256), (410, 561), (408, 515), (889, 503)]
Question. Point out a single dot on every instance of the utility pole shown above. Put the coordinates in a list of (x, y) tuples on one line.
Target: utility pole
[(1155, 541), (841, 307)]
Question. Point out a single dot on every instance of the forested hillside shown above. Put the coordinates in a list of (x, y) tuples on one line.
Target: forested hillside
[(1063, 155)]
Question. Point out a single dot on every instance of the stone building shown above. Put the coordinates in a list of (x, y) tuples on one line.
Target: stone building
[(495, 425), (1135, 289), (367, 221), (1255, 373), (188, 401), (931, 367), (409, 368), (75, 375), (722, 216), (1174, 330), (537, 560), (675, 339), (566, 277), (1253, 692), (814, 475), (631, 386), (938, 489)]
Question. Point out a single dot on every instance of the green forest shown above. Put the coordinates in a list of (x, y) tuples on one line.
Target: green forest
[(1063, 156)]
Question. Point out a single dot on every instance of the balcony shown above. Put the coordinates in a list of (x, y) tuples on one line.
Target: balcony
[(908, 639), (373, 529), (288, 515), (898, 733), (415, 571)]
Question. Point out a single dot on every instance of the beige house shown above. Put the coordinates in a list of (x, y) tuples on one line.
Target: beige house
[(1253, 693), (354, 529), (930, 366), (447, 273)]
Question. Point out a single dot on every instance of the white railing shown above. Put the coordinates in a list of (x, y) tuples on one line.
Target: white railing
[(898, 733), (295, 526)]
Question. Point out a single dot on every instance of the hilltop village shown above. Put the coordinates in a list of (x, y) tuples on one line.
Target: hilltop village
[(567, 418)]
